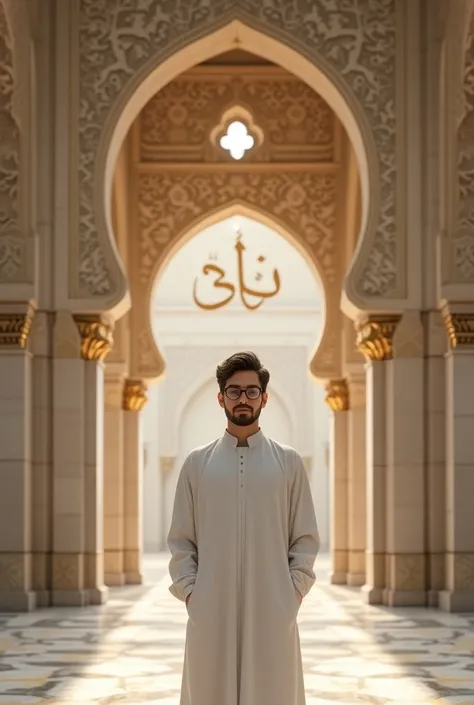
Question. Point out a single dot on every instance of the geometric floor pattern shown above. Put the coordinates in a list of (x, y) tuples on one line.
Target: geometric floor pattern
[(130, 651)]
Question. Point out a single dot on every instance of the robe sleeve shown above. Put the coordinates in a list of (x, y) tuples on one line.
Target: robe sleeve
[(303, 530), (182, 536)]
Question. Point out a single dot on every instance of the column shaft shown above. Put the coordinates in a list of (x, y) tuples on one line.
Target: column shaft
[(458, 595), (357, 513), (374, 340), (114, 478), (16, 592), (134, 398), (41, 346), (338, 400), (80, 345)]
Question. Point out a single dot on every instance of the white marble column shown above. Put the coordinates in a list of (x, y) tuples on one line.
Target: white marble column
[(458, 595), (42, 459), (16, 590), (405, 490), (68, 580), (337, 398), (134, 399), (95, 347), (437, 347), (114, 475), (80, 345), (357, 513), (375, 343)]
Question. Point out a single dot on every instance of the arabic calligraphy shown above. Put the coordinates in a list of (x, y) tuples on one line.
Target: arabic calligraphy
[(230, 289)]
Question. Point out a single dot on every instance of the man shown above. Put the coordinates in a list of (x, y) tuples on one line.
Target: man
[(243, 540)]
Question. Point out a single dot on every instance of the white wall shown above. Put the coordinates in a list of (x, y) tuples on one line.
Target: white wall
[(183, 411)]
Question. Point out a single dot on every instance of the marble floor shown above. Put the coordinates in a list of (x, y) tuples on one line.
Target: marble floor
[(131, 650)]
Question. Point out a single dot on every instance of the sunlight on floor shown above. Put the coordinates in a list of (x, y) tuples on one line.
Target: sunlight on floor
[(131, 650)]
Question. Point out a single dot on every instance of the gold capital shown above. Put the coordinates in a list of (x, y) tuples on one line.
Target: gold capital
[(460, 328), (96, 337), (375, 335), (135, 395), (337, 395), (15, 328)]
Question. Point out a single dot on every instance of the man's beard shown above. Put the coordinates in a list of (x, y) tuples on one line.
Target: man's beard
[(240, 419)]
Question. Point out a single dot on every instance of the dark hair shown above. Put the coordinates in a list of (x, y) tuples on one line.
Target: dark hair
[(240, 362)]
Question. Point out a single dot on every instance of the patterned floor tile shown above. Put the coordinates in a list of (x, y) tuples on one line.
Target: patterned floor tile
[(131, 651)]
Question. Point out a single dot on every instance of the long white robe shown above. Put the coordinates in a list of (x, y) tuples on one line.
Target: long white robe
[(243, 540)]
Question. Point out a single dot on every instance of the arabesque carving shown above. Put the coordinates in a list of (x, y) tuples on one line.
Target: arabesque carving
[(11, 241), (463, 241), (117, 40), (297, 123), (170, 202)]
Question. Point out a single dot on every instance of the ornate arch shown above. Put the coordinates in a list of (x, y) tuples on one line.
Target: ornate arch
[(301, 211), (142, 49)]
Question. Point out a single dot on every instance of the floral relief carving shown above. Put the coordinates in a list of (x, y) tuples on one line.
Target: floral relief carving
[(11, 241), (356, 40), (297, 123), (170, 202), (12, 571), (463, 244), (464, 570)]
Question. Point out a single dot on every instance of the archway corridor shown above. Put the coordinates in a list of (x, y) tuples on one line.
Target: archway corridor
[(131, 649)]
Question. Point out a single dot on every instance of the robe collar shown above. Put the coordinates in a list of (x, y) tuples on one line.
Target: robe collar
[(253, 440)]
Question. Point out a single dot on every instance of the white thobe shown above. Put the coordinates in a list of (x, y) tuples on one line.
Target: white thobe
[(243, 540)]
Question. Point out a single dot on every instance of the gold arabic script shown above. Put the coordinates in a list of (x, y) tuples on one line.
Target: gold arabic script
[(230, 289)]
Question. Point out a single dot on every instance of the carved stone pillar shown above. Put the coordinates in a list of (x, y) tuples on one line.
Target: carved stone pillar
[(134, 399), (80, 345), (435, 419), (96, 342), (356, 470), (374, 341), (114, 476), (405, 498), (337, 398), (42, 454), (16, 593), (458, 595)]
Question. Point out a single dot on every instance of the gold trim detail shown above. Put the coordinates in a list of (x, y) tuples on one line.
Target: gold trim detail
[(374, 337), (135, 395), (337, 395), (460, 329), (96, 337), (15, 328)]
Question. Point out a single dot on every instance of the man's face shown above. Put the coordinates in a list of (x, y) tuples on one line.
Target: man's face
[(239, 409)]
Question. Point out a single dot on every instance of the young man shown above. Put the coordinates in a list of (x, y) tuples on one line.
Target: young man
[(243, 540)]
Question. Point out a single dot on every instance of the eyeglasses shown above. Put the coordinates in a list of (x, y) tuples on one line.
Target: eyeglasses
[(235, 393)]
